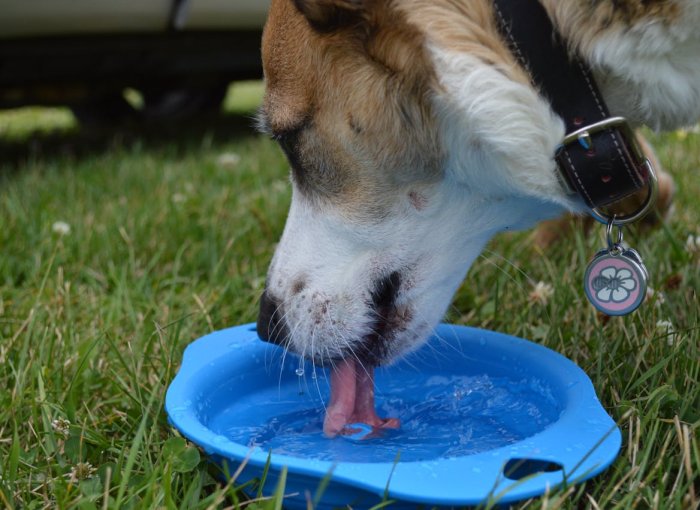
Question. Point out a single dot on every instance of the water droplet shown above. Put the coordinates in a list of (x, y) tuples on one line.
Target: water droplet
[(458, 394), (482, 341), (300, 371), (313, 375)]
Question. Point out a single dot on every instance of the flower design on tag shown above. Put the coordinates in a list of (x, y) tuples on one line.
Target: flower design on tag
[(613, 284)]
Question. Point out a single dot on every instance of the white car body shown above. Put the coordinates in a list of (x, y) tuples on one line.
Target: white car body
[(180, 54), (26, 18)]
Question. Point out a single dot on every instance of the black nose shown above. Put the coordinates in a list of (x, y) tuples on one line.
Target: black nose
[(271, 326), (384, 293), (375, 345)]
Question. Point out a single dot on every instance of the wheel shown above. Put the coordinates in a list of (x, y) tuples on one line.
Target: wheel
[(160, 104), (106, 110), (185, 102)]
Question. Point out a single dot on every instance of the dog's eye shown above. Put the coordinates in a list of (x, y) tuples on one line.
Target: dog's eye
[(264, 125), (288, 139), (281, 136), (287, 134), (289, 142)]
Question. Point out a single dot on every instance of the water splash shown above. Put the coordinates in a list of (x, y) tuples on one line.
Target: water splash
[(444, 417)]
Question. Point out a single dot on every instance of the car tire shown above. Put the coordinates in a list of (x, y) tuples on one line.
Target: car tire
[(186, 102), (160, 104), (107, 110)]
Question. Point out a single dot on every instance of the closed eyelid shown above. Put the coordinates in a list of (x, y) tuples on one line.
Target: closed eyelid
[(280, 130), (289, 132)]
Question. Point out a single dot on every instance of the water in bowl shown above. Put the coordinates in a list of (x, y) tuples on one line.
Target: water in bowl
[(441, 417)]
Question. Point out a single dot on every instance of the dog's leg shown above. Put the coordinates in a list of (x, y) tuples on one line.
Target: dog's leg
[(548, 232)]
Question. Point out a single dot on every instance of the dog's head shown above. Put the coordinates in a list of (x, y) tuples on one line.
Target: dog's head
[(413, 136)]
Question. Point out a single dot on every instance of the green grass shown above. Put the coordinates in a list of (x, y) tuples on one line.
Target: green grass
[(170, 238)]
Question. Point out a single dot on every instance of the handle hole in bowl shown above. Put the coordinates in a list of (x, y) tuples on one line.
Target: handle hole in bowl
[(517, 469)]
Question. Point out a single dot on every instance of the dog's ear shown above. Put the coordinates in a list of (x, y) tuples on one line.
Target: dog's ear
[(329, 15)]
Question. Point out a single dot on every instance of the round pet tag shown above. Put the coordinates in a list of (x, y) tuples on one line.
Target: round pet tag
[(616, 281)]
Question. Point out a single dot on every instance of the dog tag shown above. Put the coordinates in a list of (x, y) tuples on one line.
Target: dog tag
[(616, 279)]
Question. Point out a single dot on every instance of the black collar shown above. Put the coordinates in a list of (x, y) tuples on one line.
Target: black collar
[(599, 158)]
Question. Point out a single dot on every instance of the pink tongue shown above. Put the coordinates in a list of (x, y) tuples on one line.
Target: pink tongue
[(352, 399)]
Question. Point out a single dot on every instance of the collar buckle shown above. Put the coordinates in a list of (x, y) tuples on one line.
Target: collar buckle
[(584, 137)]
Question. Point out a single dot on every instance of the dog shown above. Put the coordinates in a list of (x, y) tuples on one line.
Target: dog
[(414, 135)]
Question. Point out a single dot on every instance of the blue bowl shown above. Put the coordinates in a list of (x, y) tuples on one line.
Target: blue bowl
[(485, 417)]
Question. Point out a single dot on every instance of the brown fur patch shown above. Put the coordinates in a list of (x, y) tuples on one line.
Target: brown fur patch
[(467, 27), (284, 47), (353, 104), (328, 15)]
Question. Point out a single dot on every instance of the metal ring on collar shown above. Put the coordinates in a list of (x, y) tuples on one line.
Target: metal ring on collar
[(614, 219), (614, 247)]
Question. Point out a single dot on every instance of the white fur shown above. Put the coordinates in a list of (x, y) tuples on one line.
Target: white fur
[(651, 72), (500, 136), (341, 263)]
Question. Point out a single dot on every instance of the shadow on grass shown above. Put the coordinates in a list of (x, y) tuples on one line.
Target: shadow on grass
[(75, 143)]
